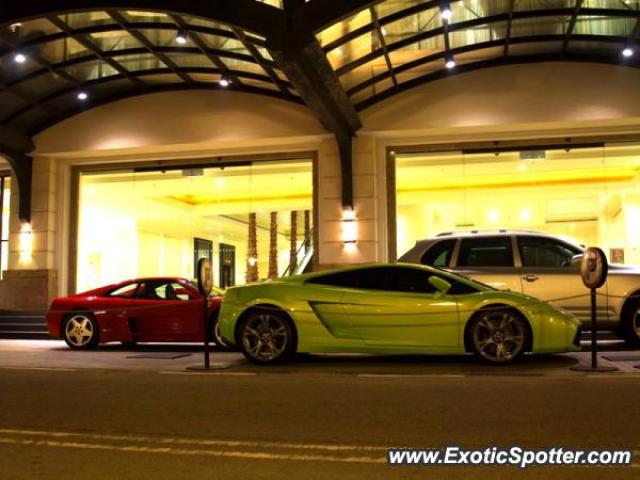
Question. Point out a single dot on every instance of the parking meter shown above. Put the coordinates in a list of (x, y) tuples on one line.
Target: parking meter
[(205, 282), (593, 270)]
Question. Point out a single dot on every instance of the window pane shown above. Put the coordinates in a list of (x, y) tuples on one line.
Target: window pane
[(439, 255), (349, 279), (143, 224), (542, 252), (126, 291), (486, 252)]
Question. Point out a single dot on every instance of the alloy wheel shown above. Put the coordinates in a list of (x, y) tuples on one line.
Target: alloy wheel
[(636, 323), (79, 330), (499, 336), (265, 337)]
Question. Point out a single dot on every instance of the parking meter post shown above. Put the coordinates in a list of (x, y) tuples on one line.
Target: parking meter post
[(594, 342), (205, 283), (207, 329), (593, 270)]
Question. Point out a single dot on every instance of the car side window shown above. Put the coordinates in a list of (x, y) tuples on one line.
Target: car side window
[(126, 291), (166, 291), (486, 252), (545, 252), (396, 279), (439, 254), (348, 279)]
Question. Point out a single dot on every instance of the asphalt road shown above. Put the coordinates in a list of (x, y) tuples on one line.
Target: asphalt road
[(309, 422)]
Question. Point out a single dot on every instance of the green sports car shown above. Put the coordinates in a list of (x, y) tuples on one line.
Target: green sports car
[(390, 309)]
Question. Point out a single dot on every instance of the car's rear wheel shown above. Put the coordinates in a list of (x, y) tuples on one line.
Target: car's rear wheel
[(81, 331), (267, 336), (630, 323), (498, 335)]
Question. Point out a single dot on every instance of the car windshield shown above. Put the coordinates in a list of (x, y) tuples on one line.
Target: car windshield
[(456, 274)]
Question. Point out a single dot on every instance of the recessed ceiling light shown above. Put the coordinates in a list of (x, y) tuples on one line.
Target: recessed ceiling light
[(82, 95), (627, 52), (181, 37), (19, 58), (450, 63), (224, 82)]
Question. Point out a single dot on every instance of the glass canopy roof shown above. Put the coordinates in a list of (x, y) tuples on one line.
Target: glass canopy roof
[(395, 44), (54, 65), (48, 64)]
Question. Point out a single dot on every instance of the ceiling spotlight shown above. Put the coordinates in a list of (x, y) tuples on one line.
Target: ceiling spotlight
[(445, 11), (450, 63), (19, 58), (627, 52), (224, 82), (181, 37), (82, 95)]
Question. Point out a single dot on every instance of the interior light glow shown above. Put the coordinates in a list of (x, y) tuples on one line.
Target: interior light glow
[(450, 63), (627, 52), (525, 214), (82, 95), (522, 166), (252, 261), (19, 58), (493, 216), (224, 82)]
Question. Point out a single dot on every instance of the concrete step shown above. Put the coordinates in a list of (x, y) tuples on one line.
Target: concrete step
[(23, 325)]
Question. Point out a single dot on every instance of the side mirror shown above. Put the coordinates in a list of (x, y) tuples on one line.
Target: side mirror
[(576, 261), (440, 284)]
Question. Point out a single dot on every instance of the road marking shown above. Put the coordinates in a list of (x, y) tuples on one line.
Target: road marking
[(195, 452), (194, 373), (410, 375), (48, 369), (192, 441)]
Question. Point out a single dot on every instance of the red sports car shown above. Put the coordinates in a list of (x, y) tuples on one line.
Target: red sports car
[(162, 309)]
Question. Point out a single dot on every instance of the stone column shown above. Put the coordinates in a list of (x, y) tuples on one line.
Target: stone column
[(273, 246)]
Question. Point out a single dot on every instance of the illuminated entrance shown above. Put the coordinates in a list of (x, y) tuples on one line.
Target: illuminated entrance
[(253, 220), (591, 195)]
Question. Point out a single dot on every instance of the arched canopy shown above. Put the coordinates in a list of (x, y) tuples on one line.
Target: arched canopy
[(338, 57), (388, 46), (110, 49)]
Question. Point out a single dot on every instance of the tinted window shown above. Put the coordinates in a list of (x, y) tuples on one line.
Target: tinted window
[(126, 291), (349, 279), (439, 255), (486, 252), (545, 252), (396, 279)]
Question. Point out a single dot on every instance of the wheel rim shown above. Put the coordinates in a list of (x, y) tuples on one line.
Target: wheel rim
[(79, 330), (265, 337), (636, 323), (499, 336), (217, 337)]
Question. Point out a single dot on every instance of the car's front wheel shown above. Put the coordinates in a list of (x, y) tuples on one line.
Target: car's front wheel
[(81, 331), (266, 337), (630, 324), (498, 335)]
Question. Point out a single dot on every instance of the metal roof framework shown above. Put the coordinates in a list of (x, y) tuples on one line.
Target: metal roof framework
[(338, 57)]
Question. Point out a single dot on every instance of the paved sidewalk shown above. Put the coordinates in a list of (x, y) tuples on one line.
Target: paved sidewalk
[(55, 355)]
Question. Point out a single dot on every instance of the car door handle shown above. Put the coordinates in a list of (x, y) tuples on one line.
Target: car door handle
[(530, 277)]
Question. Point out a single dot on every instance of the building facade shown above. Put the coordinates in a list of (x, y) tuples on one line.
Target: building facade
[(146, 184)]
